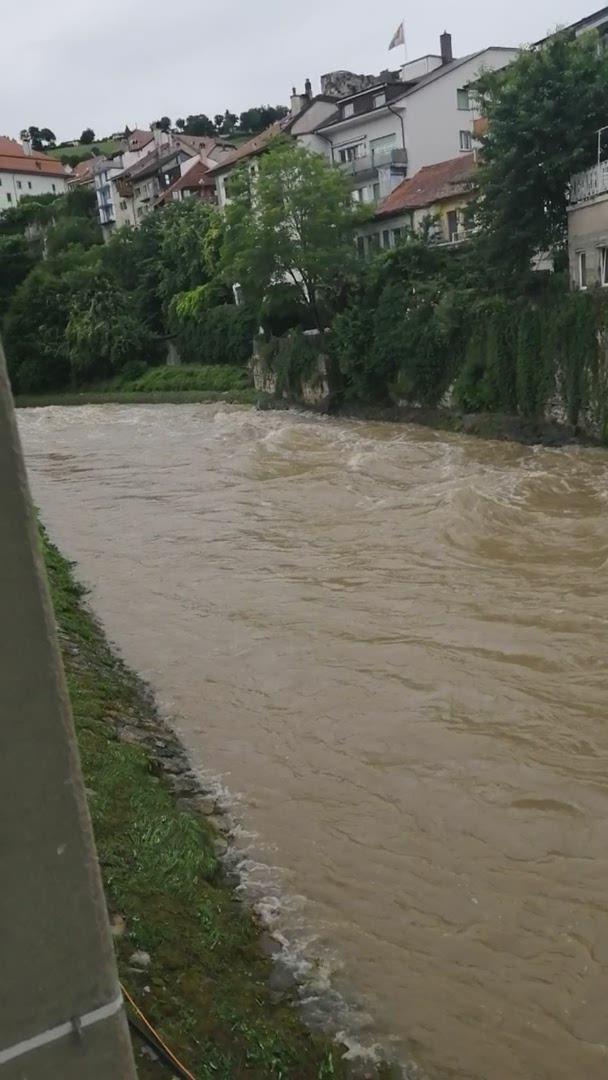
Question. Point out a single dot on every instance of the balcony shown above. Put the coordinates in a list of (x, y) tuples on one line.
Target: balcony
[(589, 184), (369, 163)]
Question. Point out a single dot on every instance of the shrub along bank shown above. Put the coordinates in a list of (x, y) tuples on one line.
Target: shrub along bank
[(205, 986)]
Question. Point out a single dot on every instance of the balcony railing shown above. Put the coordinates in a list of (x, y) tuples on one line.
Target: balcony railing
[(375, 160), (590, 183)]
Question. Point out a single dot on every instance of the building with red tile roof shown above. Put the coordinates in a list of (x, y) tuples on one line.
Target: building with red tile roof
[(438, 194), (82, 174), (24, 171)]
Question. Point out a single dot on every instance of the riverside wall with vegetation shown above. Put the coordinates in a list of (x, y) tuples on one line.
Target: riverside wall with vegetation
[(190, 954)]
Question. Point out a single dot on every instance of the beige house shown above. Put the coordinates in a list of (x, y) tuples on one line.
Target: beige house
[(588, 228), (434, 200)]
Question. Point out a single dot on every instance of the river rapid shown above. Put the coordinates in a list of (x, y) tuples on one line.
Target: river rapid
[(389, 645)]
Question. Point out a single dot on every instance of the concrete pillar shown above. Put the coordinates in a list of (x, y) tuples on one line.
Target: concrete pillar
[(61, 1014)]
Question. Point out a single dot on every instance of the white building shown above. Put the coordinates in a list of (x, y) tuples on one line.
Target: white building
[(382, 130), (24, 171), (420, 117)]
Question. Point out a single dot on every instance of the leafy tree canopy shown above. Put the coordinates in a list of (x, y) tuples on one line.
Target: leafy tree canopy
[(87, 137), (291, 222), (42, 138), (543, 114), (199, 124), (259, 118)]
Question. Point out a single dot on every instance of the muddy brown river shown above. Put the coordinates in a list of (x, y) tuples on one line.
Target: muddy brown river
[(389, 646)]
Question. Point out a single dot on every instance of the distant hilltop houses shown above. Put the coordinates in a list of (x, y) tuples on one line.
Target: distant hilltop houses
[(407, 139)]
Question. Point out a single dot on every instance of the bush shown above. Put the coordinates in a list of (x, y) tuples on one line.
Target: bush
[(217, 335), (283, 310)]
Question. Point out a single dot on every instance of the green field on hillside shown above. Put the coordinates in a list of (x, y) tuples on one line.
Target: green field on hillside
[(105, 146)]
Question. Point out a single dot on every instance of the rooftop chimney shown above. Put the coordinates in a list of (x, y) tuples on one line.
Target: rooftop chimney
[(446, 48), (308, 88), (298, 102)]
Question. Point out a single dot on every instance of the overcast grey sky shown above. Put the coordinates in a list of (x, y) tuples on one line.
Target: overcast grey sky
[(70, 64)]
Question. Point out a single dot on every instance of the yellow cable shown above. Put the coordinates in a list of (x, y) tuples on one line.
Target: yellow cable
[(147, 1023)]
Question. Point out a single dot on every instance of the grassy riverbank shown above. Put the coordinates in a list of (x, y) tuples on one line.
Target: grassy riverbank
[(185, 384), (207, 987)]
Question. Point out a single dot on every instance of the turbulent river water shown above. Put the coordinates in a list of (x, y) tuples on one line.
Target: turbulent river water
[(390, 645)]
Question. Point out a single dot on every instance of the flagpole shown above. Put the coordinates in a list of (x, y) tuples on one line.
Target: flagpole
[(404, 44)]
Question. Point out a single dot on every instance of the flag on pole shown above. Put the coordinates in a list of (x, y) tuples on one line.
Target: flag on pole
[(398, 37)]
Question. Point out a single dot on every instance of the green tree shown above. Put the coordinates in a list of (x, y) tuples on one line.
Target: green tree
[(199, 124), (42, 138), (36, 322), (291, 222), (543, 114), (87, 137), (180, 123), (228, 123), (164, 124), (259, 118), (16, 261), (103, 331), (69, 231)]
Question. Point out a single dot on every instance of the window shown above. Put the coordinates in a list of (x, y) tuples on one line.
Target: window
[(351, 153), (604, 266), (582, 269), (379, 100), (361, 245), (464, 100), (123, 204), (397, 233), (386, 238), (9, 197), (19, 184), (53, 187), (466, 140), (356, 195), (452, 217), (29, 184), (348, 110), (376, 192), (374, 242), (382, 149)]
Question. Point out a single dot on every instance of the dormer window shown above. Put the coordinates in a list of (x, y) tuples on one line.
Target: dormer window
[(348, 110), (379, 100)]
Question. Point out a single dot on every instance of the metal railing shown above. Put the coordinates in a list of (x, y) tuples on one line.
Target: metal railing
[(374, 160), (590, 183)]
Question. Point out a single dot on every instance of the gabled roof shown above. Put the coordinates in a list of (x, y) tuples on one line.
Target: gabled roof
[(431, 185), (14, 159), (153, 161), (82, 173), (255, 146), (195, 179), (406, 89), (138, 138)]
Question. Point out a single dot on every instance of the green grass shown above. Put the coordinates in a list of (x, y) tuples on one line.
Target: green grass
[(208, 981), (104, 146), (219, 378), (183, 384)]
